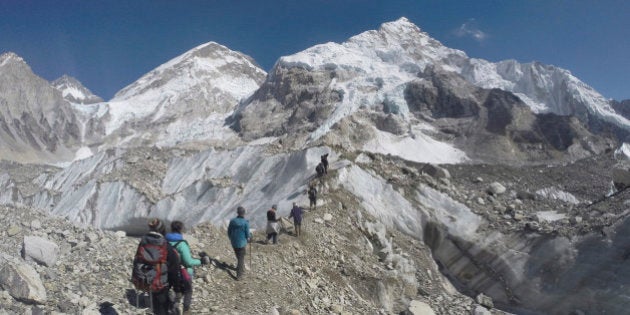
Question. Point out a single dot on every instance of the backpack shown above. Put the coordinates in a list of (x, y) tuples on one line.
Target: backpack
[(150, 270), (320, 169), (184, 280), (312, 193)]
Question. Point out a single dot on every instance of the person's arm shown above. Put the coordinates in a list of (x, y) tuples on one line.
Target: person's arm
[(249, 233), (187, 259)]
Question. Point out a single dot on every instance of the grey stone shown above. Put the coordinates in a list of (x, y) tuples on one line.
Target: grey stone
[(484, 300), (420, 308), (41, 250), (436, 171), (496, 189), (480, 310), (22, 282), (13, 230)]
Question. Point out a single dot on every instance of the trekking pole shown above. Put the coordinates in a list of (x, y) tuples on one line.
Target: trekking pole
[(151, 301), (250, 256)]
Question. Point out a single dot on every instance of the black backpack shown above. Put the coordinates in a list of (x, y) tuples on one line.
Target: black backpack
[(320, 169), (150, 269), (184, 280)]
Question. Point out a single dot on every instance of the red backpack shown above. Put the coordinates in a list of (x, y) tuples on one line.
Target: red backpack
[(150, 270)]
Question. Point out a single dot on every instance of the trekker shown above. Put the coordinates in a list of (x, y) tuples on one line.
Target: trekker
[(272, 225), (238, 231), (156, 268), (176, 239), (296, 214), (324, 159), (312, 196), (319, 169)]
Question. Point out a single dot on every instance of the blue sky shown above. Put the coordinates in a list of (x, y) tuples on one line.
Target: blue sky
[(109, 44)]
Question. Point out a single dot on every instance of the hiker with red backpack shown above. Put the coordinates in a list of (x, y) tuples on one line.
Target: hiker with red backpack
[(156, 268), (176, 240)]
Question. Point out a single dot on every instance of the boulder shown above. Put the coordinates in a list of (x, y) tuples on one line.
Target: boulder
[(22, 282), (40, 250), (496, 189), (436, 171), (420, 308), (485, 300)]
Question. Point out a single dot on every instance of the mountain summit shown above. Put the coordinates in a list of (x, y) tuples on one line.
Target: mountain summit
[(73, 91)]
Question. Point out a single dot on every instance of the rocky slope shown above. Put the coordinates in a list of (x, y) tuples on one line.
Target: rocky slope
[(345, 263)]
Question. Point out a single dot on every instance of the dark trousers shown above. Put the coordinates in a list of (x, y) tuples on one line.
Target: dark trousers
[(240, 258), (298, 228), (162, 304), (187, 295), (273, 236), (313, 202)]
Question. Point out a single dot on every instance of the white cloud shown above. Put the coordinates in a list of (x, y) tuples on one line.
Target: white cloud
[(470, 29)]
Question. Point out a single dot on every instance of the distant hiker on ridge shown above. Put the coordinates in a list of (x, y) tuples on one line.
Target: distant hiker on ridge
[(176, 240), (238, 231), (319, 169), (272, 225), (296, 214), (324, 159), (156, 268), (312, 196)]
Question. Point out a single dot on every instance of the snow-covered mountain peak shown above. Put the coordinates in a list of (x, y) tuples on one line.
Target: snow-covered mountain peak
[(73, 91), (183, 100), (399, 43), (10, 57), (224, 69)]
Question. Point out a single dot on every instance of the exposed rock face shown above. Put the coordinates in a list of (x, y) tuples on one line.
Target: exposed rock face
[(36, 123), (495, 125), (291, 101), (622, 107)]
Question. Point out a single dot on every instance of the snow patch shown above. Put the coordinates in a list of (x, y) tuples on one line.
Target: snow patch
[(419, 148), (558, 194)]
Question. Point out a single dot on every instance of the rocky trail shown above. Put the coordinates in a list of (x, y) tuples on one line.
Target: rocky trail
[(344, 263)]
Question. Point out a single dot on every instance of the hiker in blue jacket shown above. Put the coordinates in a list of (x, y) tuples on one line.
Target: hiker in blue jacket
[(296, 214), (176, 239), (238, 231)]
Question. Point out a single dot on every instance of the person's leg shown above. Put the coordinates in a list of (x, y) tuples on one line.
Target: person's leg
[(298, 229), (187, 300), (161, 302), (274, 236), (240, 257)]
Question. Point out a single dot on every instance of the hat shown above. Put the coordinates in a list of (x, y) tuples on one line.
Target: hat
[(156, 225), (274, 207), (240, 210)]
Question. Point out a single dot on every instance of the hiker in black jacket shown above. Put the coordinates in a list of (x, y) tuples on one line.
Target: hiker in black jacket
[(324, 161), (312, 196)]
